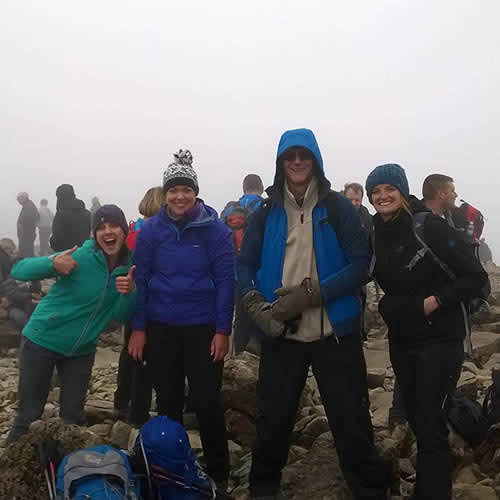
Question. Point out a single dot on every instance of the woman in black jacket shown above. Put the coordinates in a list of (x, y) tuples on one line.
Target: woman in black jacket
[(423, 309)]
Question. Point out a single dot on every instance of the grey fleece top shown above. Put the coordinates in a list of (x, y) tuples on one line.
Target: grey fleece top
[(300, 259)]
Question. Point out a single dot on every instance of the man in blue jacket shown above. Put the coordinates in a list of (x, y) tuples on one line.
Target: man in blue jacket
[(304, 257)]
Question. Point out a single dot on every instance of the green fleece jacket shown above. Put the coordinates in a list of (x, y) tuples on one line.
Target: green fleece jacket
[(78, 307)]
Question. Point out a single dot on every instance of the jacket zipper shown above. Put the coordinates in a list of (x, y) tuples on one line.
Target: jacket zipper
[(92, 316)]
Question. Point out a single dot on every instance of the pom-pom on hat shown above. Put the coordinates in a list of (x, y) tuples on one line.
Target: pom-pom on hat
[(390, 173), (181, 172)]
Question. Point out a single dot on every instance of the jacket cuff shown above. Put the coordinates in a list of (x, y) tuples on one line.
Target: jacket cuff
[(139, 324)]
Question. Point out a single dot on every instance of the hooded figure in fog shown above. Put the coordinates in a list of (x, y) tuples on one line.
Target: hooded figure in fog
[(71, 225)]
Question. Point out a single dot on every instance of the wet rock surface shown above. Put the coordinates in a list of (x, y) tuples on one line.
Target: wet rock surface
[(312, 471)]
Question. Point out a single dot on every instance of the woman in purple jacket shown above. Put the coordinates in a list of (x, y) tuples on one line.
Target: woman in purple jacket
[(185, 287)]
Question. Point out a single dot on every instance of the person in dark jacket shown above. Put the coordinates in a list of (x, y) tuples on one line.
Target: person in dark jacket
[(26, 226), (132, 398), (422, 307), (185, 295), (354, 193), (304, 258), (71, 225)]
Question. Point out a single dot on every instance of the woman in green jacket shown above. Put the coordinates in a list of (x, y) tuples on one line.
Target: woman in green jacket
[(94, 284)]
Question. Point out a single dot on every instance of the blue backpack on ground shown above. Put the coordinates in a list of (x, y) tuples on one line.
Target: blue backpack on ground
[(97, 473), (163, 450)]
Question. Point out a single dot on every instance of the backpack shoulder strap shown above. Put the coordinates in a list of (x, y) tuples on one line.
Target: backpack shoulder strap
[(251, 206), (373, 261), (418, 231), (332, 207)]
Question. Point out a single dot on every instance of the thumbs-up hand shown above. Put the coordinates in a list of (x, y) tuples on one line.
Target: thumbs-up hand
[(125, 284), (64, 263)]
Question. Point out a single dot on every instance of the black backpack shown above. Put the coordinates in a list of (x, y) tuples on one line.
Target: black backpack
[(475, 303), (467, 418), (491, 403)]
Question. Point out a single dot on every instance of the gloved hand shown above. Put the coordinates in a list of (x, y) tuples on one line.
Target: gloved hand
[(296, 299), (261, 313)]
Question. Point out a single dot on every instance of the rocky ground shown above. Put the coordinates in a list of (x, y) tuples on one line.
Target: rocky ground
[(312, 471)]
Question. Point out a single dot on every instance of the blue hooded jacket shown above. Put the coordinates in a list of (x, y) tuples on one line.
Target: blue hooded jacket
[(185, 275), (342, 257)]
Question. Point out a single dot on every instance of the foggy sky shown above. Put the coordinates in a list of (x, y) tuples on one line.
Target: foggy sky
[(99, 94)]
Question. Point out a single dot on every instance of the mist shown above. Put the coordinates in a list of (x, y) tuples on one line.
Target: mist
[(101, 94)]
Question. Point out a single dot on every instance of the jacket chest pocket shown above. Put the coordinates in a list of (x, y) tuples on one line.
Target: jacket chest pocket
[(194, 257)]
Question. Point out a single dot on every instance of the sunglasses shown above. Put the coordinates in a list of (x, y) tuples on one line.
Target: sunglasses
[(302, 154)]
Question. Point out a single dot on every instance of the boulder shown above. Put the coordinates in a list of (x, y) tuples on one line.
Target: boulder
[(380, 399), (120, 434), (377, 359), (316, 427), (316, 475), (466, 475), (473, 492), (375, 377), (485, 344), (467, 385), (378, 345), (20, 473), (240, 427), (102, 430), (240, 385), (98, 410)]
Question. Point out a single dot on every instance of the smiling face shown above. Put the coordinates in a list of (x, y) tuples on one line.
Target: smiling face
[(387, 200), (110, 237), (298, 164), (180, 199)]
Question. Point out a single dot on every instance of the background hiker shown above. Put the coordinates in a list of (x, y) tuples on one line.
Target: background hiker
[(132, 399), (354, 193), (71, 225), (26, 226), (422, 309), (94, 285), (185, 293), (236, 215), (304, 258), (95, 205), (44, 226)]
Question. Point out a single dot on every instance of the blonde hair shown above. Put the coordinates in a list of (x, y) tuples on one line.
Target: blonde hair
[(151, 203)]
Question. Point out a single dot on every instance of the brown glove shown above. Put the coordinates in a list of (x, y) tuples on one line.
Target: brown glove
[(261, 313), (296, 299)]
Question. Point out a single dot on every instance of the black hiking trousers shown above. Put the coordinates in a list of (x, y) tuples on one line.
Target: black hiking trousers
[(427, 375), (176, 352), (134, 385), (340, 371)]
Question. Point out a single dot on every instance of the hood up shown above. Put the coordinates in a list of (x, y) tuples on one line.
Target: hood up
[(65, 196), (301, 137)]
